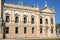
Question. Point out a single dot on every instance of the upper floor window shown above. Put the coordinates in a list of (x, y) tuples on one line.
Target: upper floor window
[(32, 29), (46, 21), (40, 20), (16, 19), (25, 30), (51, 21), (7, 18), (7, 30), (25, 20), (16, 30), (32, 20)]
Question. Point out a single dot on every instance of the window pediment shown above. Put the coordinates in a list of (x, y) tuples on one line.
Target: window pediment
[(16, 15), (7, 14)]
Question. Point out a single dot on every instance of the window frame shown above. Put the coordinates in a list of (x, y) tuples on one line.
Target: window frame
[(46, 21), (52, 21), (41, 30), (32, 20), (32, 30), (16, 30), (25, 19), (7, 18), (25, 30), (16, 19), (52, 30), (7, 30), (40, 20)]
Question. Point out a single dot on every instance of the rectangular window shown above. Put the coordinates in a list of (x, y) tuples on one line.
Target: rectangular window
[(25, 20), (51, 21), (32, 21), (25, 30), (16, 19), (7, 30), (33, 30), (7, 18), (40, 30), (52, 30), (40, 20), (16, 30), (46, 21)]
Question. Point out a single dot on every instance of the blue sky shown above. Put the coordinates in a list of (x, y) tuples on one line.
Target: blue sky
[(41, 3)]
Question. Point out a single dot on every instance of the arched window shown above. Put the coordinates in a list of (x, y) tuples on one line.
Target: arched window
[(46, 21), (32, 20), (40, 20), (25, 20), (16, 19), (51, 21)]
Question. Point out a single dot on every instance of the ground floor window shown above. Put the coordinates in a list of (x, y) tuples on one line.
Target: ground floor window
[(7, 30), (25, 30), (40, 30), (16, 30), (32, 29), (51, 29)]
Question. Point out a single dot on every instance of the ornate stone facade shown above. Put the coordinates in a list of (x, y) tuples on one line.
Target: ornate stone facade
[(38, 22)]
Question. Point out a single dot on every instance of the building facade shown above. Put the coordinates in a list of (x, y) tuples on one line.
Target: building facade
[(58, 30), (30, 22)]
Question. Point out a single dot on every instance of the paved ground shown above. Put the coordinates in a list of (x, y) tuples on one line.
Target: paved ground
[(57, 38)]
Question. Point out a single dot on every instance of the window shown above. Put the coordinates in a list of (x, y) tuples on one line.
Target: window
[(25, 20), (51, 29), (46, 21), (16, 19), (24, 30), (7, 18), (33, 30), (32, 20), (16, 30), (40, 30), (7, 30), (40, 20), (51, 21)]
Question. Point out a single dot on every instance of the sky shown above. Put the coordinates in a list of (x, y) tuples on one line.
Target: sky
[(41, 4)]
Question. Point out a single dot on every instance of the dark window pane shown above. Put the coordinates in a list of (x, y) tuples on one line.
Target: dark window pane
[(51, 21), (33, 30), (24, 30), (25, 19), (16, 30), (16, 19), (40, 20), (7, 18), (46, 21), (40, 30), (32, 20), (51, 30), (7, 30)]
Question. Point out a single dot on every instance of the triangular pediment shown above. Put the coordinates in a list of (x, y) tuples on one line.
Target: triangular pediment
[(47, 9)]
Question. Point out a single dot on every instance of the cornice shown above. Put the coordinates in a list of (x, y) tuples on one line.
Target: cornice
[(20, 7)]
